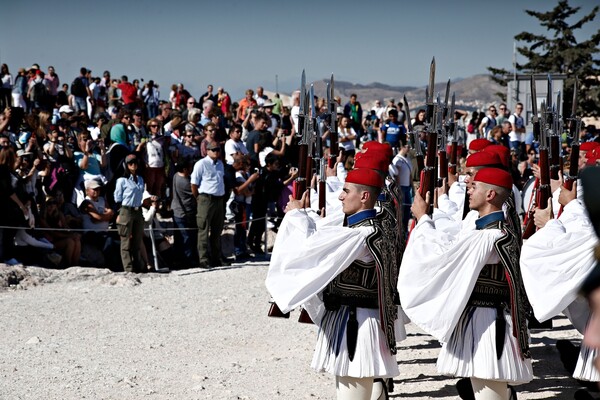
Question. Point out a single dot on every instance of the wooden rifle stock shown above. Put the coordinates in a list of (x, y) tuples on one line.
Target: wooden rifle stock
[(300, 182), (542, 194), (573, 167), (453, 158), (443, 170), (427, 174), (322, 198)]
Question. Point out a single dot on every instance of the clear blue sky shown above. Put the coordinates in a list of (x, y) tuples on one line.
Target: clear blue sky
[(242, 44)]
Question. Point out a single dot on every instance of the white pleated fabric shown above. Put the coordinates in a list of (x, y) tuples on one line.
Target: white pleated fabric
[(585, 369), (372, 358), (579, 314), (471, 350), (438, 274), (556, 260), (309, 252)]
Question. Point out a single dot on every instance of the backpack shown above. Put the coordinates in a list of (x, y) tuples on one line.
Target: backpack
[(78, 88), (40, 92)]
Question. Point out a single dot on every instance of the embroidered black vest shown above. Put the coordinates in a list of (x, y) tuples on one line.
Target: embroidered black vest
[(508, 247)]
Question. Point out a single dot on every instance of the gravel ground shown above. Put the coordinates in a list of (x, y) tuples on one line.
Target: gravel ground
[(192, 334)]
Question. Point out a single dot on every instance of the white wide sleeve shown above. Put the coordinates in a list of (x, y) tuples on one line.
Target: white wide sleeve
[(308, 255), (438, 274), (556, 260)]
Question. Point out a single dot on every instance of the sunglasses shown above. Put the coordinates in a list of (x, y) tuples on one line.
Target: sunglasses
[(217, 149), (132, 162), (153, 126)]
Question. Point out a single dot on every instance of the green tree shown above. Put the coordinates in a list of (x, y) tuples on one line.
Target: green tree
[(559, 52)]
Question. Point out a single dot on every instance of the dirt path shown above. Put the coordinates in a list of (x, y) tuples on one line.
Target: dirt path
[(195, 334)]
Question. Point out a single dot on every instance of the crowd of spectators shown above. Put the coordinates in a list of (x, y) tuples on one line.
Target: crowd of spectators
[(85, 166)]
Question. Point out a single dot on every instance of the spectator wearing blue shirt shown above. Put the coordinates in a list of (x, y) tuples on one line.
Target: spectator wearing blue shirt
[(208, 187), (392, 131), (129, 192)]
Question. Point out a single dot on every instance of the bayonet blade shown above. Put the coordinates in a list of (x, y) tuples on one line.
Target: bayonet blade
[(574, 105), (549, 95), (302, 92), (534, 110), (408, 121), (451, 117), (431, 81), (313, 112), (332, 95), (446, 99)]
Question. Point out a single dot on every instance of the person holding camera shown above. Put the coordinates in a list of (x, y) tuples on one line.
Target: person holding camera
[(58, 154), (90, 158)]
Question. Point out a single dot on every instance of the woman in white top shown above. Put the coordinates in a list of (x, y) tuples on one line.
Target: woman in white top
[(6, 84), (347, 136)]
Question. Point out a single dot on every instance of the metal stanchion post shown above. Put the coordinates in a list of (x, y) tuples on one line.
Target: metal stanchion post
[(266, 234)]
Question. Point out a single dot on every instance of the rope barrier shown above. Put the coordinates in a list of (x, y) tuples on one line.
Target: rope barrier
[(229, 224)]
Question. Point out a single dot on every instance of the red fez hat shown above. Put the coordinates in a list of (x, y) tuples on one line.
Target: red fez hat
[(502, 151), (587, 146), (592, 156), (371, 160), (479, 144), (383, 148), (483, 159), (494, 176), (365, 176)]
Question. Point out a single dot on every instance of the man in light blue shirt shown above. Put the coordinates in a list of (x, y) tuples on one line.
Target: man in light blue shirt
[(208, 187)]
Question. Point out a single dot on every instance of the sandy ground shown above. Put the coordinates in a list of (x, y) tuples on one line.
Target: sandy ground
[(192, 334)]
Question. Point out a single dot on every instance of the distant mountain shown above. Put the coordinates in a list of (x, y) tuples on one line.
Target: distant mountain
[(472, 93)]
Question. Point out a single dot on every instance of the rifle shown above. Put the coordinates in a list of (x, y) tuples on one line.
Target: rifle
[(542, 185), (314, 153), (574, 127), (451, 132), (428, 174), (299, 185), (555, 160), (443, 139), (429, 94), (311, 132), (333, 134)]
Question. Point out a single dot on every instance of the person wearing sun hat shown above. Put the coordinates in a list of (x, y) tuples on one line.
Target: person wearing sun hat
[(334, 271), (466, 290)]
